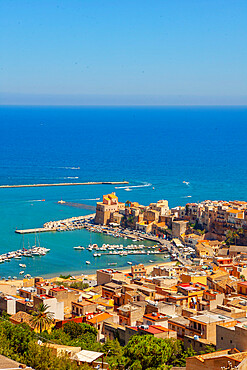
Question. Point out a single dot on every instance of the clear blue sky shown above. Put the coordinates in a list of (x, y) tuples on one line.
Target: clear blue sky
[(123, 52)]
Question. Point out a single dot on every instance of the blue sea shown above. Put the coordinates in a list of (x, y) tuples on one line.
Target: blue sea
[(155, 149)]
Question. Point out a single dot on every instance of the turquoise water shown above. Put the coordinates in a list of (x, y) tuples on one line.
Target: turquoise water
[(156, 149), (23, 208)]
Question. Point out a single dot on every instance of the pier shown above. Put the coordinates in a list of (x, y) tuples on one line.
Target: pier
[(68, 224), (67, 184), (33, 231)]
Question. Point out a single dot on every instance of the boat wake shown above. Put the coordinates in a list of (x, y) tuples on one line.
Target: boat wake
[(36, 200), (70, 168), (70, 177), (134, 186), (90, 199)]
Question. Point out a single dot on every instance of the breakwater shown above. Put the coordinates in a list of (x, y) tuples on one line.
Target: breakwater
[(67, 184), (68, 224)]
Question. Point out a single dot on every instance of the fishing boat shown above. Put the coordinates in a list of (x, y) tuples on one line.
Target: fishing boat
[(21, 272), (88, 262), (79, 247)]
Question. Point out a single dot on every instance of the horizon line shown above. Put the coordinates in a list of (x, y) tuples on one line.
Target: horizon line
[(123, 105)]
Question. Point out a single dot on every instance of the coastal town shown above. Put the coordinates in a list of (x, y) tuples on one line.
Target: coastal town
[(198, 297)]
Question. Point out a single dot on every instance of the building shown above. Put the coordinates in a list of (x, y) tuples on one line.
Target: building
[(205, 325), (21, 318), (178, 228), (226, 359), (107, 275), (242, 287), (130, 314), (138, 271), (54, 307), (83, 307), (156, 331), (232, 337), (106, 208)]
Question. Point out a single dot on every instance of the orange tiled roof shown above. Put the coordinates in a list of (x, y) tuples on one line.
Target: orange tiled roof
[(99, 318)]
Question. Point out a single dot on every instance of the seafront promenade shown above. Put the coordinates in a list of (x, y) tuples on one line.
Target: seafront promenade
[(67, 184)]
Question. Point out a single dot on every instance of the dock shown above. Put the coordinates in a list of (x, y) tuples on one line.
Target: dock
[(33, 231), (68, 224), (67, 184)]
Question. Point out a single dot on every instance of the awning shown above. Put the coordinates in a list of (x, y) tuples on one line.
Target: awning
[(87, 356)]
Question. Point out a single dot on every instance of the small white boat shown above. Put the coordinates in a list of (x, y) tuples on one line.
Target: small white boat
[(79, 247), (22, 265), (21, 272), (88, 262), (150, 261), (17, 257), (130, 263)]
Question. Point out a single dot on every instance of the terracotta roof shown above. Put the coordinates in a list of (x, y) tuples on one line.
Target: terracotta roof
[(156, 329), (22, 317), (99, 318), (7, 363)]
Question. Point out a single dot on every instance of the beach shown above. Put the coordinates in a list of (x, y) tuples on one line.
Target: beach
[(9, 287)]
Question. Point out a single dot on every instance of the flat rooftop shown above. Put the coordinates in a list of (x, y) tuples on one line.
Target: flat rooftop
[(210, 318)]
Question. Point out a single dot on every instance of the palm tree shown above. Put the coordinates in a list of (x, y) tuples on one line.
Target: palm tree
[(42, 318)]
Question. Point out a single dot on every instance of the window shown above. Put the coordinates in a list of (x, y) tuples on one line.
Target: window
[(230, 341), (221, 338)]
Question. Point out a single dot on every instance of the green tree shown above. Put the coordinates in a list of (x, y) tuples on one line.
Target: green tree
[(42, 318), (79, 285), (42, 358), (114, 354), (74, 329), (146, 352), (208, 349)]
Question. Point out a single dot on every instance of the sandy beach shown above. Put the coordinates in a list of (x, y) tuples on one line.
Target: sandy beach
[(9, 287), (123, 269)]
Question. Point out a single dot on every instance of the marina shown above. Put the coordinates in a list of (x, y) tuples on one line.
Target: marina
[(120, 250), (21, 253)]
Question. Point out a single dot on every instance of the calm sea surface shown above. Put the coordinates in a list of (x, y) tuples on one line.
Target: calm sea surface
[(156, 149)]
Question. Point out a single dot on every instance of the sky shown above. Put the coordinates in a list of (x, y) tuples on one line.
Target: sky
[(131, 52)]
